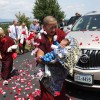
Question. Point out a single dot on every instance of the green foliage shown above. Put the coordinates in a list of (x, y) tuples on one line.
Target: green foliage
[(23, 18), (5, 26), (44, 8)]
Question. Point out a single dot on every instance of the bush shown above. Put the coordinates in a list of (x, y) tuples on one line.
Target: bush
[(5, 27)]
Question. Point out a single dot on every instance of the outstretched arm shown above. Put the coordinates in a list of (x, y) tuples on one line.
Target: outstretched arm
[(39, 54)]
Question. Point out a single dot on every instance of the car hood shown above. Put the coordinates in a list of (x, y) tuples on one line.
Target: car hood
[(87, 39)]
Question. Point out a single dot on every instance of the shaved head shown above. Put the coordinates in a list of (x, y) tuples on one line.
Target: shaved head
[(50, 25), (1, 33), (49, 20)]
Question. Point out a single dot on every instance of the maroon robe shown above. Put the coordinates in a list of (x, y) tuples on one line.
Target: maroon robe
[(7, 60), (45, 46)]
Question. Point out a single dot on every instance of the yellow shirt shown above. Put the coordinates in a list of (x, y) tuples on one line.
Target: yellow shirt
[(50, 39)]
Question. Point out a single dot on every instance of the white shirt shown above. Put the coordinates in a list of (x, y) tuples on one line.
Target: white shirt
[(22, 36), (14, 33)]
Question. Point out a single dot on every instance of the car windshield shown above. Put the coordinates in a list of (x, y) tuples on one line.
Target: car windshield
[(88, 22)]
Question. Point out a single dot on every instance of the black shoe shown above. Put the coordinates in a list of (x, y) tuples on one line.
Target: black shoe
[(14, 73), (19, 53)]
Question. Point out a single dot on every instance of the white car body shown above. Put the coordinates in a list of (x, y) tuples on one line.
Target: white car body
[(87, 70)]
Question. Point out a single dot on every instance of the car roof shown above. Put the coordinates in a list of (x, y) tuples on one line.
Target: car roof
[(93, 13)]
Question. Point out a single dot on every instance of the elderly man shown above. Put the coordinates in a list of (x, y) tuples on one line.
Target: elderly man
[(58, 72), (7, 54), (23, 30), (34, 27), (14, 30)]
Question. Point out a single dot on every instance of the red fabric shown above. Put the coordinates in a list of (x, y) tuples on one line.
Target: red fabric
[(6, 68), (14, 55), (7, 60), (24, 32), (20, 44), (40, 40), (45, 95), (5, 43), (45, 44), (4, 40), (32, 35), (60, 34), (57, 93)]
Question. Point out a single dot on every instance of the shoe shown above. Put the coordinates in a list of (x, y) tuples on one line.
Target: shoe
[(14, 73), (5, 82)]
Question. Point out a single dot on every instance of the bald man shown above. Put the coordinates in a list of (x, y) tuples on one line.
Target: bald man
[(7, 50), (50, 29)]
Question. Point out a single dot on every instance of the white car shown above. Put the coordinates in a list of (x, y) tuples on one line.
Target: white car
[(87, 70)]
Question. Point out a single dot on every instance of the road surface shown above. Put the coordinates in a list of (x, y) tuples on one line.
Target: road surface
[(24, 85)]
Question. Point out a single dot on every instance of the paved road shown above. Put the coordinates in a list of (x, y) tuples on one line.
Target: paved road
[(24, 85), (78, 93)]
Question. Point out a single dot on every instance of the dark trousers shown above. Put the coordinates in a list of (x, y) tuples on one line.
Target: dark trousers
[(6, 68), (22, 47)]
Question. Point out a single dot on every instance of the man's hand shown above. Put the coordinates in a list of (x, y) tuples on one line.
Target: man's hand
[(17, 39)]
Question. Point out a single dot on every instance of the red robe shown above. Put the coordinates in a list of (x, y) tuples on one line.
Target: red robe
[(7, 60), (45, 46)]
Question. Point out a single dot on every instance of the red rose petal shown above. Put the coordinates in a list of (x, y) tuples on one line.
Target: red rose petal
[(80, 43)]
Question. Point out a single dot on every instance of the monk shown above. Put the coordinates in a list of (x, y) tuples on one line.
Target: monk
[(7, 54)]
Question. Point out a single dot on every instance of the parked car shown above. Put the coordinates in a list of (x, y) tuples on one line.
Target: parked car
[(87, 32), (70, 23), (72, 20)]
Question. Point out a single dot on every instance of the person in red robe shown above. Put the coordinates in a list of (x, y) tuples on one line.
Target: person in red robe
[(46, 83), (7, 54)]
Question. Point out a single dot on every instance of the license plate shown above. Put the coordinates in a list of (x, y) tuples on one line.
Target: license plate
[(83, 78)]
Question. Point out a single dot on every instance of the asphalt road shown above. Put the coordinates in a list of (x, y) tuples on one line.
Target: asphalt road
[(79, 93), (24, 85)]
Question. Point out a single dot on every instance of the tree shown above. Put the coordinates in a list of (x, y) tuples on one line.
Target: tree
[(5, 27), (44, 8), (22, 18)]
